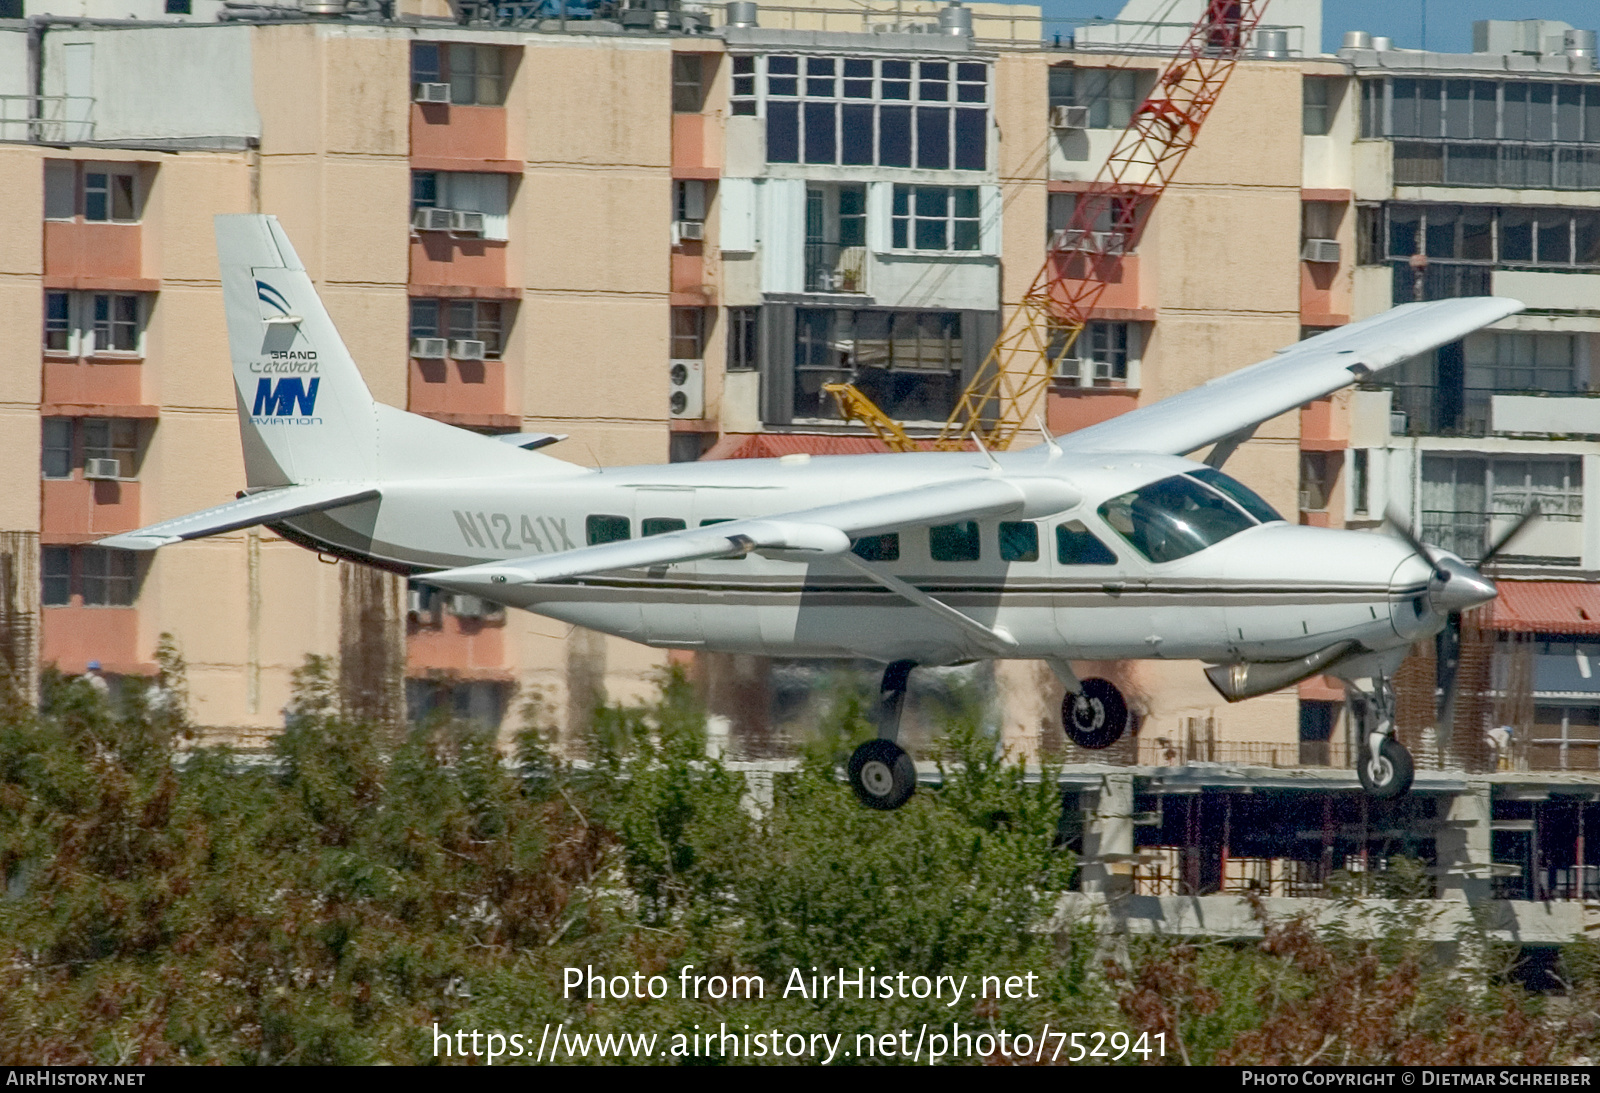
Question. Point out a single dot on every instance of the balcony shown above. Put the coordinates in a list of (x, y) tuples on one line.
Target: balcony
[(1504, 164), (70, 637), (440, 643), (834, 268), (441, 262), (1556, 538), (95, 255), (74, 510), (106, 386), (1122, 297), (1440, 281), (467, 393), (459, 138)]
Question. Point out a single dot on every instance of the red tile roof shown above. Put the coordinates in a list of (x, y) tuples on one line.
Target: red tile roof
[(1550, 607)]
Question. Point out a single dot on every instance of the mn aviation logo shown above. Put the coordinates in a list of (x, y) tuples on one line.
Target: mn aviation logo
[(288, 402), (272, 298)]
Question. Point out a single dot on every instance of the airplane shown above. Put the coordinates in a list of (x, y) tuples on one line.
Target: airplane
[(1102, 544)]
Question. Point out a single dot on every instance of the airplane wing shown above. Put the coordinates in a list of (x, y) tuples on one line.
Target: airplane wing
[(816, 533), (257, 508), (1231, 406)]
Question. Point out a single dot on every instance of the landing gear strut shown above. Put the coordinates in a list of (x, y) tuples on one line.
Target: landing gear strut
[(1383, 765), (881, 771), (1096, 716)]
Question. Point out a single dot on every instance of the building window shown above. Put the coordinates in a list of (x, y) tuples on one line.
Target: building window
[(1360, 482), (1506, 361), (688, 333), (688, 82), (1319, 473), (82, 324), (462, 320), (471, 203), (112, 438), (71, 442), (935, 218), (908, 362), (479, 701), (1319, 99), (744, 339), (1104, 355), (56, 459), (1565, 738), (866, 112), (475, 73), (743, 99), (1466, 497), (110, 196), (1484, 235), (98, 192), (1110, 93), (88, 576)]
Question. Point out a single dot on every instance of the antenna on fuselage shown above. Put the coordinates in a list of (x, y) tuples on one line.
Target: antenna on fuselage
[(994, 463), (1049, 438)]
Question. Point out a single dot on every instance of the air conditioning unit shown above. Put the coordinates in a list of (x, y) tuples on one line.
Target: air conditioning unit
[(465, 223), (690, 231), (687, 397), (1070, 239), (432, 220), (430, 92), (1069, 117), (422, 604), (429, 349), (467, 349), (1320, 250), (102, 470), (471, 607)]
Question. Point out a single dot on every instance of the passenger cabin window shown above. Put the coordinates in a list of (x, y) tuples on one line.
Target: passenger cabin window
[(1019, 542), (606, 529), (1077, 545), (659, 525), (954, 542), (1174, 518), (878, 548)]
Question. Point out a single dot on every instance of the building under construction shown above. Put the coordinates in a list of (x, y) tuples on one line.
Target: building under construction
[(666, 230)]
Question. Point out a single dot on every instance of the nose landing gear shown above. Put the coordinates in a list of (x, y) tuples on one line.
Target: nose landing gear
[(1383, 765), (1096, 716)]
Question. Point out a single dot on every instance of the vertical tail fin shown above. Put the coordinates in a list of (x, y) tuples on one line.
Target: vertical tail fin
[(305, 414)]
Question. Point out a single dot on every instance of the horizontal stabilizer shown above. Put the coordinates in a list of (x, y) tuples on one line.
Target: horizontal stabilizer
[(797, 536), (258, 508)]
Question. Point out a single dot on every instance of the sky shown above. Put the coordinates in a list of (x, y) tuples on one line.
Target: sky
[(1449, 21)]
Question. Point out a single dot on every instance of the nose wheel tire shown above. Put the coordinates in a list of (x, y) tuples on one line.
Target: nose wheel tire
[(1096, 716), (1389, 775), (882, 775)]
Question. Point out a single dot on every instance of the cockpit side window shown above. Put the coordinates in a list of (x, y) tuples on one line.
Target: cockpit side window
[(1173, 518), (1077, 545), (1248, 499)]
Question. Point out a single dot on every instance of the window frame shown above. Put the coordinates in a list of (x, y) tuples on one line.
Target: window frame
[(783, 90), (908, 215), (82, 326)]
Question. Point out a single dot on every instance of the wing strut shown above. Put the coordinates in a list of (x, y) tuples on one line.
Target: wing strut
[(993, 639), (1223, 450)]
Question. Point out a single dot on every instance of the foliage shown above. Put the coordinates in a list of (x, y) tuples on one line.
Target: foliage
[(335, 901)]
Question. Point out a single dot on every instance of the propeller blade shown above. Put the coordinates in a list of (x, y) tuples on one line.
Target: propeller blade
[(1533, 513), (1398, 522)]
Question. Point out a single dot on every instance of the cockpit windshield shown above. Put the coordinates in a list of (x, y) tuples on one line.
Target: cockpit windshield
[(1248, 499), (1174, 518)]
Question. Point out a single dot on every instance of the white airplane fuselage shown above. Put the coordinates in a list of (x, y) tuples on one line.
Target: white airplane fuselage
[(1272, 591)]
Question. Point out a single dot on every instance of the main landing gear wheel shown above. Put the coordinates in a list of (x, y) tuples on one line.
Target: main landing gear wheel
[(1096, 716), (1389, 775), (882, 775)]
